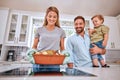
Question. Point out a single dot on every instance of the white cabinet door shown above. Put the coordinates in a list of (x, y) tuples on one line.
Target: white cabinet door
[(12, 29), (18, 29), (23, 29), (114, 38), (3, 22)]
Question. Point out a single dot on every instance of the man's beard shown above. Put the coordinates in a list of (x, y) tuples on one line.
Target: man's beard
[(79, 30)]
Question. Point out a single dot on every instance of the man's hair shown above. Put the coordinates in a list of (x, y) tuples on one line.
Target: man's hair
[(79, 17)]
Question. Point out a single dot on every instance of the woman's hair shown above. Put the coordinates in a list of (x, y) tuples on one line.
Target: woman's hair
[(79, 17), (54, 9), (100, 17)]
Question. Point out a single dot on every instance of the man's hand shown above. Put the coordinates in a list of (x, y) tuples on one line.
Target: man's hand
[(96, 50)]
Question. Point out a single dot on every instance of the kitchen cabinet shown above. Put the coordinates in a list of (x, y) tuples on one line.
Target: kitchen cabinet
[(114, 38), (18, 29), (118, 18), (3, 21)]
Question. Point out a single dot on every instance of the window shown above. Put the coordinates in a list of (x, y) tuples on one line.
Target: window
[(36, 22), (68, 26)]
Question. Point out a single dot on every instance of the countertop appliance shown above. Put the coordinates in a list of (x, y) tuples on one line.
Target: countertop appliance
[(11, 55)]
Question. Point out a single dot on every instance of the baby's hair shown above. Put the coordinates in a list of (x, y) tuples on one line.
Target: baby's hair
[(100, 17)]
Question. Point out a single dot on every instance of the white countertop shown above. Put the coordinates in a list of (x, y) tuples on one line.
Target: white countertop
[(15, 62), (112, 73)]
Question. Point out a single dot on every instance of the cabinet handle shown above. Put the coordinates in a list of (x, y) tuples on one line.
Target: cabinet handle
[(17, 40), (14, 39)]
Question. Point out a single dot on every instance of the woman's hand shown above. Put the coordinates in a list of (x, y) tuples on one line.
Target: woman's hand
[(96, 50)]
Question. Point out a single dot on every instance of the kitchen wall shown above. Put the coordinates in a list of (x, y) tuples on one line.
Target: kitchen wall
[(27, 5), (73, 7)]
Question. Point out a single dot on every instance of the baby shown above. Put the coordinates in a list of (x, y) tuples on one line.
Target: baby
[(99, 37)]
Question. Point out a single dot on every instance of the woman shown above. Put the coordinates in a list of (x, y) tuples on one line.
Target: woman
[(50, 36)]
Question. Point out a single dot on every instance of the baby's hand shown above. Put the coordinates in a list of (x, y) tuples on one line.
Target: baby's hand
[(91, 31)]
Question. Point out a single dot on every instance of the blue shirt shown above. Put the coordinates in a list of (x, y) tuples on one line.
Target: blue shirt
[(78, 47)]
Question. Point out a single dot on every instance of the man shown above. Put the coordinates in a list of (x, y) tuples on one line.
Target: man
[(78, 45)]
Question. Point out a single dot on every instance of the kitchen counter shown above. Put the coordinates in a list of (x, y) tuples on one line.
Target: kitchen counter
[(112, 73), (15, 62)]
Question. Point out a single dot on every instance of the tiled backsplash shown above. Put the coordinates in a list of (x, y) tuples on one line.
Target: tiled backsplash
[(20, 52)]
